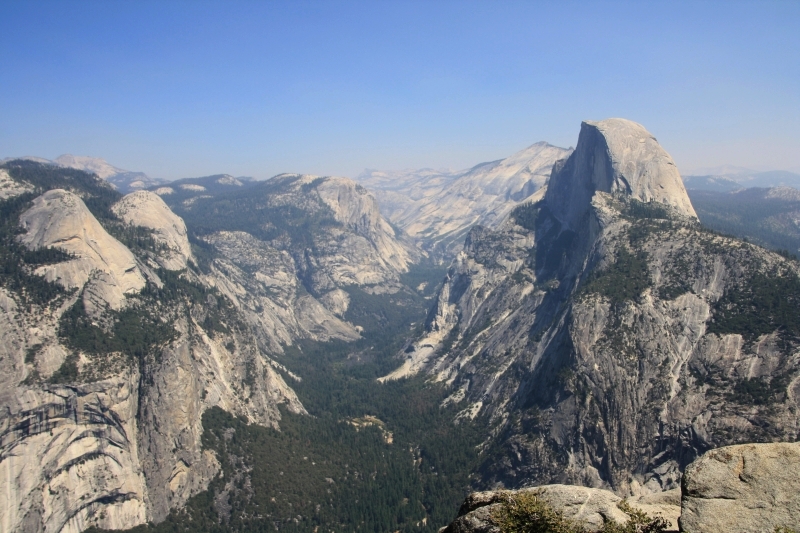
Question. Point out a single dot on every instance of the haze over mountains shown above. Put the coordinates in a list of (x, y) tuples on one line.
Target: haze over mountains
[(558, 316), (728, 178), (439, 208), (124, 181)]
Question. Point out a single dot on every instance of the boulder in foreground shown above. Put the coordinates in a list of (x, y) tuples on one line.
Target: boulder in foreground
[(747, 487)]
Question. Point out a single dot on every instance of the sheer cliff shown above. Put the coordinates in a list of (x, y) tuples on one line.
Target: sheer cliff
[(605, 335)]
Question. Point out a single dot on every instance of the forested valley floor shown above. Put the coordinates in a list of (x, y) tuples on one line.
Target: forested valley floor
[(369, 457)]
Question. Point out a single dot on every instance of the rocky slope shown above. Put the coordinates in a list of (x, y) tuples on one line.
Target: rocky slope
[(59, 219), (112, 348), (606, 336), (438, 208), (147, 210), (310, 238)]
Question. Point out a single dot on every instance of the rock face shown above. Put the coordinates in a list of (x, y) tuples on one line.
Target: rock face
[(60, 219), (265, 283), (615, 156), (590, 508), (612, 352), (749, 487), (10, 188), (358, 210), (70, 454), (148, 210), (104, 382), (438, 208)]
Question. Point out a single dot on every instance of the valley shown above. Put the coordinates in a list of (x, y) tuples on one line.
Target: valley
[(319, 354)]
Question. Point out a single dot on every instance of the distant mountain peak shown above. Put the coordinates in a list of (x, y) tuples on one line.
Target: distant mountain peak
[(124, 180), (96, 165)]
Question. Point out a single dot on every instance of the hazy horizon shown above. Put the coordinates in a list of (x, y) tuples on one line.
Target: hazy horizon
[(185, 89)]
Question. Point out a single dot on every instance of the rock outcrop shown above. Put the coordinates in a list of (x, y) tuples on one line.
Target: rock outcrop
[(744, 488), (60, 219), (148, 210), (586, 507), (614, 156)]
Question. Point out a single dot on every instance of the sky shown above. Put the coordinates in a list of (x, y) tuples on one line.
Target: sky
[(255, 88)]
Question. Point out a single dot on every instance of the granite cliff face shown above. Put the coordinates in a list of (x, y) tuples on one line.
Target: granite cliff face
[(147, 210), (606, 336), (439, 208), (614, 156), (60, 219)]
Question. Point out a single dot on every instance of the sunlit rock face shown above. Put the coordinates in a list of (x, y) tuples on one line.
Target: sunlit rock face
[(148, 210), (736, 489), (60, 219), (96, 438), (112, 438)]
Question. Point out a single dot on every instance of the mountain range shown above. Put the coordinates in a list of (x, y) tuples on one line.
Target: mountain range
[(224, 354), (727, 179)]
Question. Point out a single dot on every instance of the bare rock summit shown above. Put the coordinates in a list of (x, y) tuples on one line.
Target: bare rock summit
[(148, 210), (60, 219), (615, 156)]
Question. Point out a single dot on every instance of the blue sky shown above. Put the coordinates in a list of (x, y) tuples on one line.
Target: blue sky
[(179, 89)]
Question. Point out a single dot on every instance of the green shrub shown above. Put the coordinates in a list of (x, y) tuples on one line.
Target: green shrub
[(765, 303), (528, 512), (625, 279), (526, 215)]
